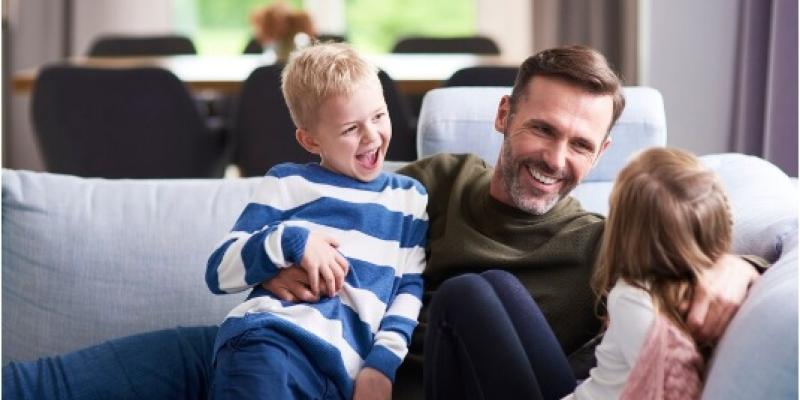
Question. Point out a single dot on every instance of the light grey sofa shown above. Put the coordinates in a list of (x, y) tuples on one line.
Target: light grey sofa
[(86, 260)]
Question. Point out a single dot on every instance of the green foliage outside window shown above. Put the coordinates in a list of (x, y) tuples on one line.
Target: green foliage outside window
[(375, 25), (223, 27)]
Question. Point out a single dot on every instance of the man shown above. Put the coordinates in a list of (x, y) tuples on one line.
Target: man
[(518, 216)]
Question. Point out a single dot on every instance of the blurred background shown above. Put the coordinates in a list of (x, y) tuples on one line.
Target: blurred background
[(727, 68)]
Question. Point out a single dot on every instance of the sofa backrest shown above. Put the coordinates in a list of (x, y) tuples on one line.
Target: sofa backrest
[(461, 120), (87, 260)]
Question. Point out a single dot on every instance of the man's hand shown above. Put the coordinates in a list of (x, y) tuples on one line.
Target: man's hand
[(321, 259), (371, 384), (291, 284), (720, 292)]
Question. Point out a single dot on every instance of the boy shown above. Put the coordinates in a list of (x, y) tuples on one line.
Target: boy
[(357, 232)]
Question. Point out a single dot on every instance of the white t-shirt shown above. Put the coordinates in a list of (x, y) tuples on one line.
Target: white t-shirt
[(630, 313)]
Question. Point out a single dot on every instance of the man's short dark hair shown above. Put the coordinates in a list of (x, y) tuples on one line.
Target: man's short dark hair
[(579, 65)]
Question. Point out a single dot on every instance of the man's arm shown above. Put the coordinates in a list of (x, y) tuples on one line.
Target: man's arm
[(721, 291)]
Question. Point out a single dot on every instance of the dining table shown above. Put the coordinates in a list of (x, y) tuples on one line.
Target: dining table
[(414, 74)]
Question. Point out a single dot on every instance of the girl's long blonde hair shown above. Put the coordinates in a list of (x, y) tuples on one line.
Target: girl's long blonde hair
[(668, 219)]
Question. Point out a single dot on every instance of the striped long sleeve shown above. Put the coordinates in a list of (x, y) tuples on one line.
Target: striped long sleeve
[(381, 227)]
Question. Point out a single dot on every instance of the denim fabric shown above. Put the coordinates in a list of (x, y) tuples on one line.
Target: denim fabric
[(263, 364), (167, 364)]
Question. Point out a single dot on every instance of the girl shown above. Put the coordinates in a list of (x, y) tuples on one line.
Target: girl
[(668, 221)]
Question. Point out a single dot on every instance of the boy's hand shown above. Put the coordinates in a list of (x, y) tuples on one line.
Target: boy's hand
[(371, 384), (321, 259), (720, 292)]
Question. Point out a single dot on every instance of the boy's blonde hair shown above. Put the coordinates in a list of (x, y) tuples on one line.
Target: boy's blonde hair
[(669, 219), (319, 72)]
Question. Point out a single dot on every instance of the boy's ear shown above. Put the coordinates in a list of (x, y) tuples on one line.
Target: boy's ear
[(307, 140)]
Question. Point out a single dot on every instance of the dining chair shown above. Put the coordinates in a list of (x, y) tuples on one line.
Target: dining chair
[(122, 123), (483, 76), (120, 46), (466, 44), (264, 134)]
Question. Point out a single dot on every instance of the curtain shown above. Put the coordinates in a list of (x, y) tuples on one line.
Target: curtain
[(765, 104), (610, 26)]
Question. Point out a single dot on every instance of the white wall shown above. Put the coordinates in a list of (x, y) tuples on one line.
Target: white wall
[(35, 32), (93, 18), (692, 48), (509, 23)]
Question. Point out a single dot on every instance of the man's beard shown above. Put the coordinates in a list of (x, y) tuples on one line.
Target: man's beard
[(523, 197)]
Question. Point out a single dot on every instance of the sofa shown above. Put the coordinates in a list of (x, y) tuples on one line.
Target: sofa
[(87, 260)]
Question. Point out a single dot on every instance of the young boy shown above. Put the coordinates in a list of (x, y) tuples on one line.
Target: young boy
[(343, 216)]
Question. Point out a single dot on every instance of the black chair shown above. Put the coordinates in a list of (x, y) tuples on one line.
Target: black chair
[(119, 46), (483, 76), (263, 131), (404, 127), (470, 44), (254, 47), (122, 123), (264, 134)]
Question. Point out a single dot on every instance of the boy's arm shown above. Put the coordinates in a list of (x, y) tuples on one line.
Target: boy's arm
[(258, 246)]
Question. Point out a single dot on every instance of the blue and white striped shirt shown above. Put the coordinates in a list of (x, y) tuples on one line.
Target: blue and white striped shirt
[(381, 227)]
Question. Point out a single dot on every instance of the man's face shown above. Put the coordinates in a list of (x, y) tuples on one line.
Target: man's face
[(552, 139)]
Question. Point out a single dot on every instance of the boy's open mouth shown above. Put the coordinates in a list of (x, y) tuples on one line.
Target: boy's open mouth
[(368, 159)]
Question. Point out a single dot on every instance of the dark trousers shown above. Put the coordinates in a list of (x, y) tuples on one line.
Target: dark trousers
[(487, 339)]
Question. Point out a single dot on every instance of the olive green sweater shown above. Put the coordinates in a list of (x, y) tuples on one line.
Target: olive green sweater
[(470, 231)]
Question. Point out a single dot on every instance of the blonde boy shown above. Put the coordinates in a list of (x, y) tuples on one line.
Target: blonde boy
[(358, 230)]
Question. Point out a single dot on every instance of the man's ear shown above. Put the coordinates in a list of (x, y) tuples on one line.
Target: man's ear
[(603, 147), (307, 140), (503, 111)]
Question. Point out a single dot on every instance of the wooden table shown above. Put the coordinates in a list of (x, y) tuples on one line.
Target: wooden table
[(414, 74)]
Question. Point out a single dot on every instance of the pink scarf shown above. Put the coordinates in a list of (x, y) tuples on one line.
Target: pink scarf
[(669, 366)]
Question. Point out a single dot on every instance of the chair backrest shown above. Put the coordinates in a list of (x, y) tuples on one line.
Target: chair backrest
[(404, 140), (117, 46), (469, 44), (264, 131), (122, 123), (461, 120), (483, 76)]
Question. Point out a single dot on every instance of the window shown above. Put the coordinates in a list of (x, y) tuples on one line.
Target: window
[(223, 27), (375, 25)]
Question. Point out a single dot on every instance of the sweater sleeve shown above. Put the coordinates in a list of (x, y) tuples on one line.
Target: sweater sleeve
[(391, 342), (259, 244)]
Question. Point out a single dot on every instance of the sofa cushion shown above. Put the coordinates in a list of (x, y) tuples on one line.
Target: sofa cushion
[(757, 356), (85, 260), (461, 120), (763, 202)]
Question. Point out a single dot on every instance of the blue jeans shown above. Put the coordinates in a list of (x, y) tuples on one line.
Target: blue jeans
[(166, 364), (263, 364)]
